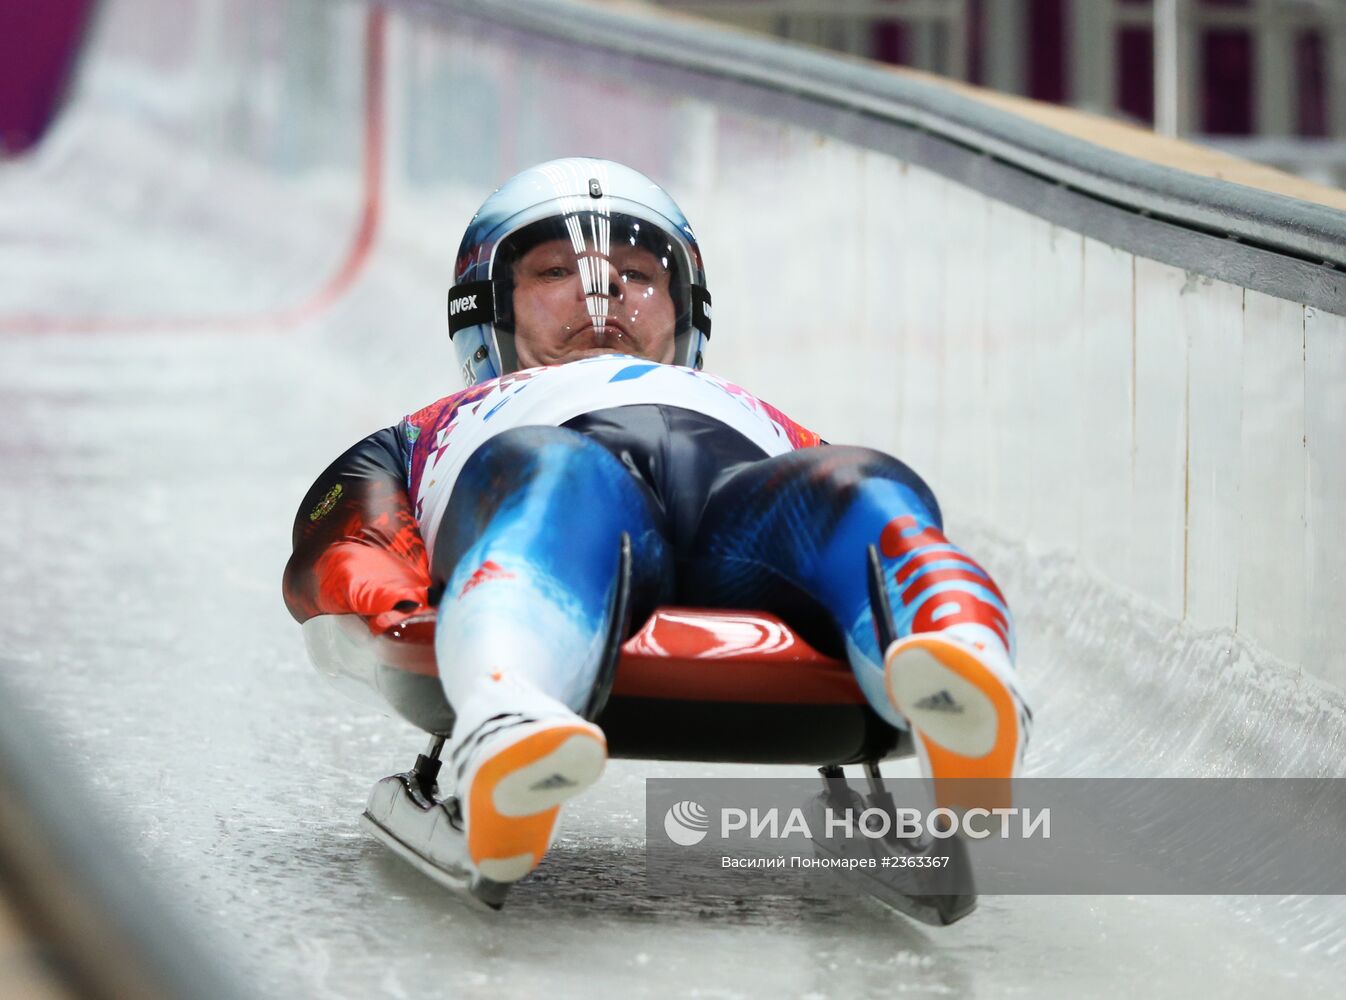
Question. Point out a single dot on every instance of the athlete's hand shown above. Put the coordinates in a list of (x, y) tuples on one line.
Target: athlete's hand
[(356, 578)]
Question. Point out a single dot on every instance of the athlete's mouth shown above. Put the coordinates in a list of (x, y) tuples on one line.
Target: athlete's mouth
[(611, 330)]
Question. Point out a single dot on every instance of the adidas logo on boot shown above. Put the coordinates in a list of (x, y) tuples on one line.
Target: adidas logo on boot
[(555, 781), (941, 702)]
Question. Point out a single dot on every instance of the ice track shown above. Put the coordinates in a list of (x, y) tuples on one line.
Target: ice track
[(156, 440)]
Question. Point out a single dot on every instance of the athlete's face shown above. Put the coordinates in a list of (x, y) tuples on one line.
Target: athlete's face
[(568, 307)]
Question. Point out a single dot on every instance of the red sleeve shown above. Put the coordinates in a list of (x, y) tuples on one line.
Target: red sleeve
[(357, 547), (798, 435)]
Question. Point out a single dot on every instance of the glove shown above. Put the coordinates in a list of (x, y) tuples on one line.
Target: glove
[(355, 578)]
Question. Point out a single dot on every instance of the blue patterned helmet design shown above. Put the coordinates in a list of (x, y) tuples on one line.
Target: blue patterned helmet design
[(600, 216)]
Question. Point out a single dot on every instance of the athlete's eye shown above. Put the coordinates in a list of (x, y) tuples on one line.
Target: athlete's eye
[(637, 276), (555, 271)]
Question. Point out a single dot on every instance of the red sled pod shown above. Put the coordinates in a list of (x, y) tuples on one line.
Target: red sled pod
[(691, 684)]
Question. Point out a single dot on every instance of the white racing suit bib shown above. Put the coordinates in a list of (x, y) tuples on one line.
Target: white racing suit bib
[(441, 437)]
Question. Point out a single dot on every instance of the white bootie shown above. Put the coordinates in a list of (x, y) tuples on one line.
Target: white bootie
[(516, 755)]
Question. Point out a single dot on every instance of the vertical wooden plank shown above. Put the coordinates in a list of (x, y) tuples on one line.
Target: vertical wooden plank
[(1271, 559), (1214, 321), (1325, 433), (1009, 367), (1092, 70), (1024, 414), (822, 164), (923, 318), (885, 242), (744, 193), (796, 269), (1057, 390), (1006, 44), (1159, 450), (981, 454), (835, 279), (1106, 376), (1336, 70), (1274, 96), (789, 314), (963, 417)]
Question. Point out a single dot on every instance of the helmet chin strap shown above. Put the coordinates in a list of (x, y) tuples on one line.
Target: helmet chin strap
[(506, 350)]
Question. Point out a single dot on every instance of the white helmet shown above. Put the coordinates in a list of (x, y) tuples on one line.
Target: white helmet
[(610, 239)]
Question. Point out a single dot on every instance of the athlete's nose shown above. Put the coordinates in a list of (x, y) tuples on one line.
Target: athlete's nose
[(608, 278), (599, 278), (605, 281)]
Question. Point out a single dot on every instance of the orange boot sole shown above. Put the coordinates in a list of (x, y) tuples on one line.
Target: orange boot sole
[(963, 716), (516, 795)]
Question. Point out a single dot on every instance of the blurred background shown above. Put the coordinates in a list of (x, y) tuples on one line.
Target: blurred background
[(1262, 79)]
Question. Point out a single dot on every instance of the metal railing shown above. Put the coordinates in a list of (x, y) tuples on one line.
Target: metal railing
[(941, 34)]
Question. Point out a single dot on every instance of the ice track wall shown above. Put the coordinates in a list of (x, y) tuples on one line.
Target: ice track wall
[(1102, 359)]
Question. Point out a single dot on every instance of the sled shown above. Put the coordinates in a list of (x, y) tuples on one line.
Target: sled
[(691, 684)]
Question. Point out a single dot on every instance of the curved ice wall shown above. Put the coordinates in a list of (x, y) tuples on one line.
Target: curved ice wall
[(1129, 376)]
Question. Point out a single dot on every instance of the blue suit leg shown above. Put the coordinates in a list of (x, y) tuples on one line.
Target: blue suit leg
[(791, 534), (528, 553)]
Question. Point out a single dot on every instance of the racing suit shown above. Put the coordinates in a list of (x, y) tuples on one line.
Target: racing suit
[(504, 504)]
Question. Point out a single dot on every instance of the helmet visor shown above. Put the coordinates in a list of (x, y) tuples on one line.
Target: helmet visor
[(591, 283)]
